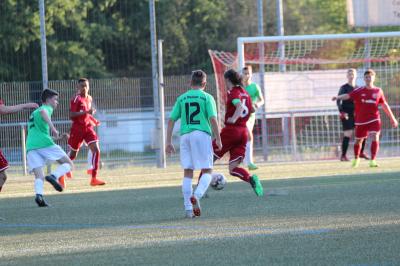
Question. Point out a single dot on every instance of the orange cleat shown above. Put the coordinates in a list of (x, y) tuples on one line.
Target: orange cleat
[(69, 174), (97, 182), (89, 171), (61, 180), (196, 205)]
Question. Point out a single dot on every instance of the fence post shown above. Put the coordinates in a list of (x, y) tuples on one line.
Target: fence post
[(293, 135), (23, 140)]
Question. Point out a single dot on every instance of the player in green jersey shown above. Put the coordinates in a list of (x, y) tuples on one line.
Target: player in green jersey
[(197, 113), (257, 99), (41, 147)]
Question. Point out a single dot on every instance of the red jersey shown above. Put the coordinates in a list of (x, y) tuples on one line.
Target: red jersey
[(240, 94), (81, 104), (366, 103)]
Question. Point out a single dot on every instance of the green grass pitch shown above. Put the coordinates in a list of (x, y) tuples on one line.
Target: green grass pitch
[(314, 213)]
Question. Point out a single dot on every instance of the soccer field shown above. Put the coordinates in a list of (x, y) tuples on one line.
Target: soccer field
[(315, 213)]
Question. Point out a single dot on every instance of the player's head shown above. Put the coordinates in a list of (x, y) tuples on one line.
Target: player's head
[(351, 74), (83, 86), (369, 77), (247, 73), (50, 97), (199, 79), (232, 79)]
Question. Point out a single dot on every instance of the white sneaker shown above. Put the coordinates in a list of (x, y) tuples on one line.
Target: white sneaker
[(189, 214)]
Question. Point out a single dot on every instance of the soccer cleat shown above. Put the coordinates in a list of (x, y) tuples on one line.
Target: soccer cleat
[(364, 156), (189, 214), (89, 171), (256, 185), (53, 181), (96, 182), (252, 166), (40, 201), (69, 174), (196, 205), (373, 163), (355, 162), (344, 158), (61, 180)]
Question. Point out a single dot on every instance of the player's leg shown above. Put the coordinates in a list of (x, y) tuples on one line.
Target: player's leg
[(56, 153), (236, 156), (75, 142), (89, 162), (187, 165), (374, 148), (3, 167), (92, 140), (94, 148), (249, 145), (345, 144), (203, 158), (361, 132), (39, 184), (362, 153), (35, 163), (3, 178)]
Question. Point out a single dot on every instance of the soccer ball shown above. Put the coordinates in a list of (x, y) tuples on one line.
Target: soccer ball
[(218, 181)]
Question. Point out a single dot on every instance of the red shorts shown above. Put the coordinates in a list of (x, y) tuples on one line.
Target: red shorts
[(79, 134), (3, 162), (362, 131), (234, 140)]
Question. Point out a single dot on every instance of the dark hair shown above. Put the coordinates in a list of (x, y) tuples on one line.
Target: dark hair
[(82, 80), (369, 71), (199, 77), (234, 77), (47, 93), (249, 67)]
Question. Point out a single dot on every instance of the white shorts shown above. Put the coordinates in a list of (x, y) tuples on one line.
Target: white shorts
[(196, 150), (40, 157)]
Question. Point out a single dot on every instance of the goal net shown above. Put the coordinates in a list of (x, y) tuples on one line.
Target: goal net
[(302, 73)]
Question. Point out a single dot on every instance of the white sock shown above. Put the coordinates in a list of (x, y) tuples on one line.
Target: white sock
[(61, 170), (202, 187), (187, 192), (89, 160), (248, 156), (39, 186)]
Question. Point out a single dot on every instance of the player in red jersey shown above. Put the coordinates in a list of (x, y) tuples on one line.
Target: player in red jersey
[(367, 119), (81, 112), (235, 134), (9, 110)]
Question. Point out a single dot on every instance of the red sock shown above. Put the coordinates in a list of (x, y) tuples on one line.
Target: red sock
[(72, 157), (95, 163), (357, 150), (241, 173), (374, 149)]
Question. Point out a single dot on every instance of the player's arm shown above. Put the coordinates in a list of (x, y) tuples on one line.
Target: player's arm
[(16, 108), (215, 130), (47, 119), (339, 102), (239, 110), (169, 148), (76, 114), (175, 115), (389, 113), (342, 97)]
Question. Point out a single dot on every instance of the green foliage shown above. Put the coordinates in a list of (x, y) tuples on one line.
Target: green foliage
[(111, 38)]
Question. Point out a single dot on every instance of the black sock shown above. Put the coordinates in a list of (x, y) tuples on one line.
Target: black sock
[(363, 146), (345, 145)]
